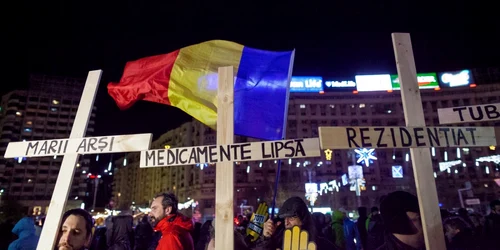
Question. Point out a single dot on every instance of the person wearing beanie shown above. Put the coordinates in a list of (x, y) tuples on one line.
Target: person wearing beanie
[(401, 215)]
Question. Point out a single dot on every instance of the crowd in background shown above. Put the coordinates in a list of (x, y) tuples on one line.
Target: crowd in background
[(396, 225)]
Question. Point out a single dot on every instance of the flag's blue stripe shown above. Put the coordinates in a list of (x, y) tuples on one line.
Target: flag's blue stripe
[(260, 93)]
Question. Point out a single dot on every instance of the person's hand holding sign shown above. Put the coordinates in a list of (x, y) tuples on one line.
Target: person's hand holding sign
[(295, 239), (270, 228), (257, 222)]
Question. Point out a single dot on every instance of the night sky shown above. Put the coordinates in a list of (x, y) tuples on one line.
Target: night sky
[(343, 38)]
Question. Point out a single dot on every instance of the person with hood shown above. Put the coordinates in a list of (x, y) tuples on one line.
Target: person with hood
[(120, 231), (25, 230), (401, 215), (294, 212), (345, 231), (174, 227)]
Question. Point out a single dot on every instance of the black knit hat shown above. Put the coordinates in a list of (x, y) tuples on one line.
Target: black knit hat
[(393, 210), (292, 207)]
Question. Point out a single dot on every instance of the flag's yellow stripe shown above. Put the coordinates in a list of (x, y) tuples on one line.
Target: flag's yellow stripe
[(188, 87)]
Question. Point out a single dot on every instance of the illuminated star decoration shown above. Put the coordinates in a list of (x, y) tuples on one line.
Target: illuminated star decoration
[(328, 154), (365, 155)]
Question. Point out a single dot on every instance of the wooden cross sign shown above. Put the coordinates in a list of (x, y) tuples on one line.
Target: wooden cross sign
[(225, 153), (475, 113), (70, 148), (416, 136)]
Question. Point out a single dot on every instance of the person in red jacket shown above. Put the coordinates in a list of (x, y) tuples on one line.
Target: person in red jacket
[(175, 228)]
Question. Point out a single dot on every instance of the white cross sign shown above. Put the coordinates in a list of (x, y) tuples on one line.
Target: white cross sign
[(88, 145), (254, 151), (71, 148), (477, 113), (407, 137)]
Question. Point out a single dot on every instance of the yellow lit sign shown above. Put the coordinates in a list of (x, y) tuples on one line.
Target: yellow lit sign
[(328, 154), (257, 221), (297, 239), (167, 146)]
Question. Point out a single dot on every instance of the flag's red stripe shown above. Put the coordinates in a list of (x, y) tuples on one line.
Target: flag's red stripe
[(150, 75)]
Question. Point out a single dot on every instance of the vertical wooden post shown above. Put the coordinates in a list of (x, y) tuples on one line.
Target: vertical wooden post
[(65, 178), (224, 178), (420, 157)]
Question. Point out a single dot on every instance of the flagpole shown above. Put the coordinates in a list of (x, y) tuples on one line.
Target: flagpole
[(283, 132)]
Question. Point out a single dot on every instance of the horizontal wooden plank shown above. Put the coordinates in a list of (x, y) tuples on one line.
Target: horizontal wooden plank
[(254, 151), (407, 137), (87, 145), (476, 113)]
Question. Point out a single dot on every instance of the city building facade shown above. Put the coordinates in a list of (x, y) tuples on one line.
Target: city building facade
[(254, 181), (45, 111)]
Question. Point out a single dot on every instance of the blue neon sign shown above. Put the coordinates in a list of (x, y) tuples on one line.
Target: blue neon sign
[(306, 84)]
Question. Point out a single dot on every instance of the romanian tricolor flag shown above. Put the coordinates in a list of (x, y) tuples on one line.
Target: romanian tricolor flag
[(187, 79)]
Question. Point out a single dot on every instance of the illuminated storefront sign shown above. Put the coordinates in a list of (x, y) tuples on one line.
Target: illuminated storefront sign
[(373, 82), (456, 78), (340, 84), (425, 81), (306, 84), (344, 84)]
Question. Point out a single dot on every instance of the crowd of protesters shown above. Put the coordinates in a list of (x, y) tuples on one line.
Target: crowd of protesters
[(395, 225)]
